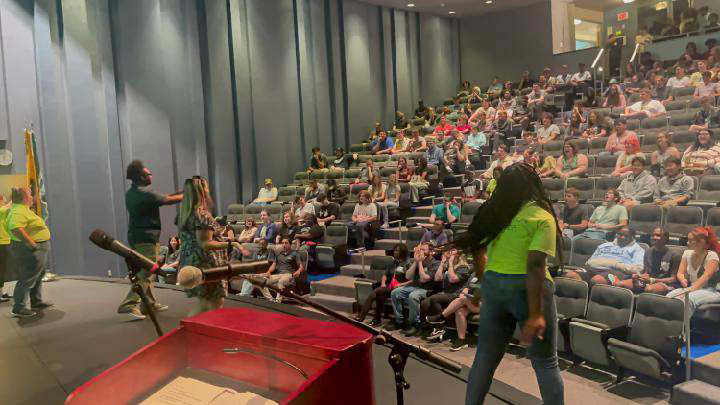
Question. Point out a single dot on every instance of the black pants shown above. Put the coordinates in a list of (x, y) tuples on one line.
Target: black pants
[(379, 296), (435, 304)]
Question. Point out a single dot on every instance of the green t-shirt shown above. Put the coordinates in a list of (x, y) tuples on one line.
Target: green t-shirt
[(440, 212), (533, 228), (143, 207), (609, 216)]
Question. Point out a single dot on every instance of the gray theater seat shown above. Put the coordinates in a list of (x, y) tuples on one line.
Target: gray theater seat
[(608, 315), (555, 188), (571, 299), (585, 186), (333, 247), (467, 213), (679, 221), (653, 343), (413, 237), (644, 218)]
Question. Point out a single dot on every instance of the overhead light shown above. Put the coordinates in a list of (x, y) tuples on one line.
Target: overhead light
[(628, 1), (488, 1), (411, 5), (451, 12), (577, 21)]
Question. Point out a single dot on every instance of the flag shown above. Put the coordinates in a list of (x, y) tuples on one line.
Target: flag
[(34, 174)]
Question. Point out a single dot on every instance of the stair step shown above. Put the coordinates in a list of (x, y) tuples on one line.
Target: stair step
[(342, 286), (342, 304), (695, 392), (707, 368), (352, 270), (386, 244), (356, 258)]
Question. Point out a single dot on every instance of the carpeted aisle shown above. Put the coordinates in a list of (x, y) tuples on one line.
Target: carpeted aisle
[(82, 335)]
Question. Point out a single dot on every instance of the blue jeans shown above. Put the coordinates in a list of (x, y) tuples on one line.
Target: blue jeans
[(30, 265), (407, 296), (591, 234), (707, 295), (504, 305), (246, 289)]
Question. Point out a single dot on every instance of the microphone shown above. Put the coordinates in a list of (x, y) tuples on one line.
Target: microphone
[(107, 242), (191, 277)]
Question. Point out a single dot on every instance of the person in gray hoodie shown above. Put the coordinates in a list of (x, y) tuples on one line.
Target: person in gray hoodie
[(638, 186)]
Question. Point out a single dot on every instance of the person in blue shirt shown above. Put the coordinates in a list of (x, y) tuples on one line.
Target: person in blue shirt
[(267, 229), (615, 261), (384, 145)]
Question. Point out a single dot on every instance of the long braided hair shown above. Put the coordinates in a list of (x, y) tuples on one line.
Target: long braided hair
[(518, 185)]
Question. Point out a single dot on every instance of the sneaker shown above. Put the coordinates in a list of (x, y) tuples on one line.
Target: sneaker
[(458, 344), (135, 313), (375, 322), (23, 313), (435, 319), (41, 305), (410, 331), (3, 299), (157, 307), (6, 296), (437, 337), (48, 277)]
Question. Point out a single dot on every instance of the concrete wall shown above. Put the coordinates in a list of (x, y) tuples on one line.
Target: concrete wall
[(236, 90)]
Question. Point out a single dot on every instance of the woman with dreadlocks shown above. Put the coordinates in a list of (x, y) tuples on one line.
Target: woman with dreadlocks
[(510, 237)]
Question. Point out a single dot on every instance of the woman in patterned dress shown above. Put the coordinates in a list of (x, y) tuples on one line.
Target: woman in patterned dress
[(198, 245)]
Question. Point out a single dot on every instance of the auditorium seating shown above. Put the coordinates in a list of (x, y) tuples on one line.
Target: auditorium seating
[(571, 297), (332, 251)]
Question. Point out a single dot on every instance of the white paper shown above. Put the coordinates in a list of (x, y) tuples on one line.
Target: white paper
[(189, 391)]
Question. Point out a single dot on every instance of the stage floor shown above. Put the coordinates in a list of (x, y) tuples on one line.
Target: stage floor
[(41, 362)]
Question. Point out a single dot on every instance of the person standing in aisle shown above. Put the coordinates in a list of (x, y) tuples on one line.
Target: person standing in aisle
[(143, 206), (511, 237), (29, 246), (4, 247)]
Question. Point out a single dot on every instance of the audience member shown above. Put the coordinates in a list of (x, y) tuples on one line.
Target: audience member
[(536, 100), (457, 155), (674, 188), (420, 179), (288, 228), (421, 274), (613, 262), (248, 232), (318, 161), (366, 175), (571, 163), (341, 160), (447, 211), (384, 145), (708, 117), (417, 143), (476, 141), (309, 234), (267, 194), (313, 190), (335, 193), (392, 198), (261, 252), (624, 161), (679, 80), (485, 110), (401, 123), (377, 190), (615, 97), (421, 110), (393, 277), (606, 218), (444, 127), (267, 230), (300, 206), (363, 218), (435, 236), (638, 186), (665, 150), (645, 108), (703, 155), (574, 217), (286, 267), (502, 160), (548, 131), (660, 267), (616, 141), (595, 126), (459, 308), (328, 211), (401, 142), (697, 273)]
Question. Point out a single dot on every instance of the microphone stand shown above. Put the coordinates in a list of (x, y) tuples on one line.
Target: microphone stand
[(399, 352), (137, 288)]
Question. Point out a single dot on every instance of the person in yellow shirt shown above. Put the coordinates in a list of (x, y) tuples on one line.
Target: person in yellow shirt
[(4, 246), (516, 230), (29, 246)]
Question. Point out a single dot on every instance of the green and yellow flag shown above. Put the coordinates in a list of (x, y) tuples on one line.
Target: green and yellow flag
[(34, 175)]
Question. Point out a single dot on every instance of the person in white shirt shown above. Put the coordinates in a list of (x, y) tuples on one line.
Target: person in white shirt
[(706, 88), (645, 108), (267, 194), (564, 76), (679, 80), (535, 101), (583, 76), (547, 131), (698, 267), (486, 109)]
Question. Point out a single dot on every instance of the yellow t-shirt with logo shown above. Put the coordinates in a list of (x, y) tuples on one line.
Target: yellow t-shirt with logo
[(21, 216), (4, 234), (533, 228)]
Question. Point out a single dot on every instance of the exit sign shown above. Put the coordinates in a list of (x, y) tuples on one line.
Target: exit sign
[(623, 16)]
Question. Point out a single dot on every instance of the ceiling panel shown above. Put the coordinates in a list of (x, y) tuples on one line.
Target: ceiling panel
[(461, 8)]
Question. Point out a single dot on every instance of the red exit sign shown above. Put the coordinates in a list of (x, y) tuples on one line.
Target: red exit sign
[(623, 16)]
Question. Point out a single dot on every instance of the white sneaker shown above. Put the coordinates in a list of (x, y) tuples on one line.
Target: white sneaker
[(136, 314), (157, 307)]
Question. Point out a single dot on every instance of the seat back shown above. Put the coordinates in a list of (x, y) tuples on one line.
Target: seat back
[(571, 297), (469, 209), (414, 235), (645, 217), (649, 142), (317, 175), (655, 123), (381, 264), (683, 139), (335, 174), (585, 186), (610, 305), (605, 164), (597, 145), (385, 172), (235, 213), (581, 144), (555, 188), (253, 211), (336, 235), (352, 174), (553, 148), (709, 188), (275, 212), (656, 320), (682, 91), (713, 219), (286, 194), (679, 221), (346, 211), (301, 177), (582, 249), (603, 184)]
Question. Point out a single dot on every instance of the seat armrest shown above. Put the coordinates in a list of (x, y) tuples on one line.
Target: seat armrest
[(620, 332)]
